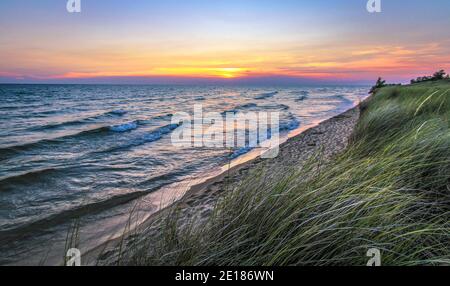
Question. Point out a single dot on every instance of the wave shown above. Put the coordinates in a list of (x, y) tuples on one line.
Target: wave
[(266, 95), (283, 127), (168, 179), (165, 117), (340, 97), (9, 151), (147, 138), (57, 125), (66, 215), (292, 124), (240, 108), (119, 112), (23, 92), (124, 127), (276, 107), (240, 152), (301, 98), (304, 93), (243, 107), (81, 121), (248, 105), (156, 135), (28, 177), (9, 107)]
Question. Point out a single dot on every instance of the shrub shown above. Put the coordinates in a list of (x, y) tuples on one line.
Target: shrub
[(439, 75)]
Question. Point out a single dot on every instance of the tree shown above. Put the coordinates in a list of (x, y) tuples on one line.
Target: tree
[(439, 75), (380, 83)]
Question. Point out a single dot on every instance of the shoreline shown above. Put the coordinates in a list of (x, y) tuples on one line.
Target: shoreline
[(328, 138)]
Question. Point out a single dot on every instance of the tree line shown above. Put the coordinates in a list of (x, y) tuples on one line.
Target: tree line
[(439, 75)]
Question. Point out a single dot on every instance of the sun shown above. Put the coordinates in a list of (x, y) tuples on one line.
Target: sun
[(229, 72)]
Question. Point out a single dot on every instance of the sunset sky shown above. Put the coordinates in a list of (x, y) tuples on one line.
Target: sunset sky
[(166, 41)]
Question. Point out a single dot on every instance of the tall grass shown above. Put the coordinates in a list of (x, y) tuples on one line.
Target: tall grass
[(390, 189)]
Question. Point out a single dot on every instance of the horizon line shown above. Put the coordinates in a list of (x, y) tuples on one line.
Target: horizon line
[(174, 80)]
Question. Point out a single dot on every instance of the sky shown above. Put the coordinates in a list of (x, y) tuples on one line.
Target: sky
[(180, 41)]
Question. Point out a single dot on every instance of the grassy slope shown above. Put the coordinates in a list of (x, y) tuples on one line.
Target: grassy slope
[(390, 190)]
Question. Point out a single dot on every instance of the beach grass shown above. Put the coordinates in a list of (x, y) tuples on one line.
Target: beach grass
[(390, 190)]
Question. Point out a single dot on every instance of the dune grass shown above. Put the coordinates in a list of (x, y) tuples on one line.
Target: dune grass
[(389, 190)]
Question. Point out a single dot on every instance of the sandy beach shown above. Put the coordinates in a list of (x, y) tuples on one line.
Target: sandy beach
[(317, 145)]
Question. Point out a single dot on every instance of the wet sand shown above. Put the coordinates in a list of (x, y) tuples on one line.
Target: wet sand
[(317, 145)]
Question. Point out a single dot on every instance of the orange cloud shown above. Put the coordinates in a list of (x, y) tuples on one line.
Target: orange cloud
[(315, 61)]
